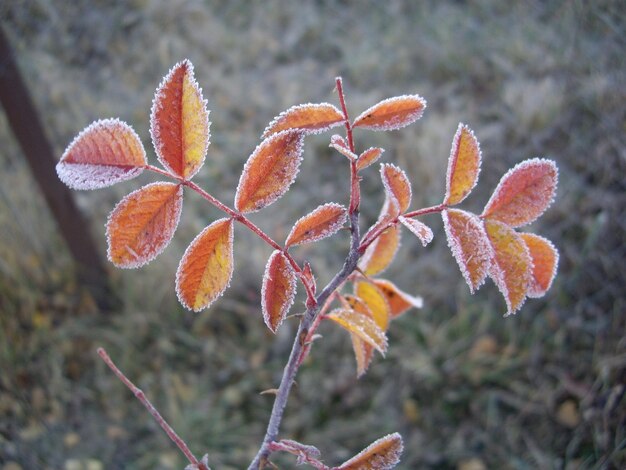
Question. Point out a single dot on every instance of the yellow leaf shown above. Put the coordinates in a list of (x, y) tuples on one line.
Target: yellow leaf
[(383, 454), (362, 326), (463, 166)]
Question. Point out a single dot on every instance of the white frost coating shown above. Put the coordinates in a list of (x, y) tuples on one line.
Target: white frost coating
[(393, 122), (366, 159), (336, 139), (534, 291), (344, 151), (330, 230), (187, 256), (379, 461), (419, 229), (289, 274), (362, 326), (481, 247), (403, 180), (89, 171), (157, 105), (305, 126), (453, 159), (169, 222)]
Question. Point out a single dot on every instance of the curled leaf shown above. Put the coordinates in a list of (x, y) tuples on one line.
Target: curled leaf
[(463, 166), (362, 326), (469, 245), (369, 156), (392, 113), (383, 454), (419, 229), (397, 300), (179, 122), (545, 259), (523, 193), (381, 252), (320, 223), (278, 291), (143, 223), (269, 171), (309, 118), (104, 153), (206, 268), (397, 185)]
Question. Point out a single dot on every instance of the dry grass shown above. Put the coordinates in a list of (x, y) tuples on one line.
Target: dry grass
[(543, 389)]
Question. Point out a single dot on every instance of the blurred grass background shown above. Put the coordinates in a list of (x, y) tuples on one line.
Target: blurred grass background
[(466, 388)]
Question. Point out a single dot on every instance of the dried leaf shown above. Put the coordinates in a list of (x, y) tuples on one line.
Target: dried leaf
[(469, 245), (269, 171), (106, 152), (321, 223), (523, 193), (179, 122), (398, 300), (396, 185), (278, 291), (308, 277), (382, 454), (305, 453), (206, 268), (419, 229), (392, 113), (143, 223), (376, 301), (381, 252), (362, 326), (363, 352), (308, 118), (511, 268), (545, 259), (368, 157), (463, 166)]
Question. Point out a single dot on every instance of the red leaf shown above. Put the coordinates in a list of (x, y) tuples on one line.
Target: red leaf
[(398, 300), (106, 152), (463, 166), (545, 259), (392, 113), (383, 454), (523, 193), (396, 185), (179, 122), (279, 289), (469, 245), (269, 171), (206, 268), (419, 229), (308, 118), (321, 223), (143, 223), (368, 157)]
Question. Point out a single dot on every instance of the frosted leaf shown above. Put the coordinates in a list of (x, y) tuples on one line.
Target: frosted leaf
[(545, 259), (306, 454), (344, 150), (363, 353), (463, 166), (374, 298), (419, 229), (368, 157), (523, 193), (381, 252), (365, 328), (397, 300), (469, 245), (104, 153), (308, 276), (383, 454), (143, 223), (392, 113), (309, 118), (397, 185), (320, 223), (339, 141), (278, 290)]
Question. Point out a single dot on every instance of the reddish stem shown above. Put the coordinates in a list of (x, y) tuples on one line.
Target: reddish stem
[(175, 438), (355, 192)]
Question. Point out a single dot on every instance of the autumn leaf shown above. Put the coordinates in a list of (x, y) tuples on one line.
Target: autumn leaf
[(397, 300), (206, 268), (278, 291), (381, 252), (369, 156), (106, 152), (392, 113), (363, 352), (308, 118), (321, 223), (463, 166), (365, 328), (396, 185), (419, 229), (523, 193), (179, 122), (142, 224), (545, 259), (339, 143), (375, 301), (269, 171), (383, 454), (469, 245), (511, 268)]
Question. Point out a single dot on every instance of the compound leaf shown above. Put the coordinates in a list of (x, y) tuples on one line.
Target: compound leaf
[(463, 166), (383, 454), (545, 259), (278, 291), (309, 118), (320, 223), (392, 113)]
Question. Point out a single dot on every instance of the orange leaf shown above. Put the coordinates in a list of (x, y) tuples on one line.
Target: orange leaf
[(106, 152), (383, 454), (278, 291), (397, 185), (269, 171), (368, 157), (363, 352), (463, 166), (398, 300), (206, 268), (511, 268), (339, 143), (308, 118), (545, 258), (375, 301), (143, 223), (392, 113), (362, 326), (381, 252), (419, 229), (179, 122), (469, 245), (321, 223), (523, 193)]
